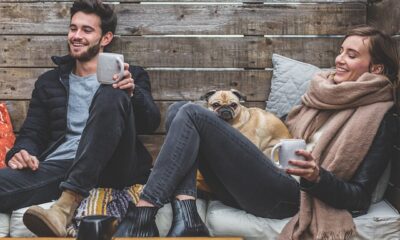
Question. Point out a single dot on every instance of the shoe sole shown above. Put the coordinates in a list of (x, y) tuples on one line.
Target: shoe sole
[(38, 226)]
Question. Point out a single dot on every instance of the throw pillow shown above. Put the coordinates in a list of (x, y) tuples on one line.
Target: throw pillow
[(290, 80), (7, 136)]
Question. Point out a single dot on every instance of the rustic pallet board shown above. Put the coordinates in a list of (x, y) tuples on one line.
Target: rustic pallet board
[(385, 15), (19, 109), (199, 52), (52, 18), (17, 83), (216, 1)]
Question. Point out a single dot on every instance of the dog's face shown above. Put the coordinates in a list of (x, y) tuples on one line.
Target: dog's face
[(225, 103)]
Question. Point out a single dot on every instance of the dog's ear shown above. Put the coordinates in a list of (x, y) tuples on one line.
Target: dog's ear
[(208, 95), (242, 98)]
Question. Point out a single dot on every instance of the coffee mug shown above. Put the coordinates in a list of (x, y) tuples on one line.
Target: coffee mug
[(109, 64), (97, 227), (287, 150)]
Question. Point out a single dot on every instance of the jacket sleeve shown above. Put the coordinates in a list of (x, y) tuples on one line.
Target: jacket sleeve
[(34, 133), (355, 194), (147, 114)]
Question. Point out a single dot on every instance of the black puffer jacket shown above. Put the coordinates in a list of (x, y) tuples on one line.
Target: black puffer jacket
[(45, 126), (355, 195)]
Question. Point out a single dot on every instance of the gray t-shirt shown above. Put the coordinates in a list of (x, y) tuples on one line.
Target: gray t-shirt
[(82, 90)]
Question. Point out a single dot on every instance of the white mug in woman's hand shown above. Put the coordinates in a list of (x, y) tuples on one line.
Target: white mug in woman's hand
[(287, 150)]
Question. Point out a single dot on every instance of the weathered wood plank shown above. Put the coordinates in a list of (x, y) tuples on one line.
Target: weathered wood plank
[(17, 83), (384, 14), (19, 109), (234, 1), (143, 19), (214, 52)]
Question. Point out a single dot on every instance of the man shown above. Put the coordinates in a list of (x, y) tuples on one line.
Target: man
[(79, 134)]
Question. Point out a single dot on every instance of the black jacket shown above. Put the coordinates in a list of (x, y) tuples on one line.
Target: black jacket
[(46, 123), (355, 194)]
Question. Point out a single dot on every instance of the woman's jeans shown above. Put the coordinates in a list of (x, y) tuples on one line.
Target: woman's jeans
[(238, 173), (106, 157)]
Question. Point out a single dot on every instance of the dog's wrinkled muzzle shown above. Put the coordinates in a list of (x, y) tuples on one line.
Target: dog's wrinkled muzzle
[(225, 113)]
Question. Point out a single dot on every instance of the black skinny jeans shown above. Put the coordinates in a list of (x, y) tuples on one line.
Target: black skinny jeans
[(106, 157), (239, 174)]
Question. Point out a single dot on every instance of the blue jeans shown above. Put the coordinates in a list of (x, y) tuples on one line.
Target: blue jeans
[(239, 174), (106, 157)]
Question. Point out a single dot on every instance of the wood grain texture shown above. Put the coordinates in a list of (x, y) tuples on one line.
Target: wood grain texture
[(192, 52), (216, 1), (19, 109), (157, 19), (170, 85), (384, 14)]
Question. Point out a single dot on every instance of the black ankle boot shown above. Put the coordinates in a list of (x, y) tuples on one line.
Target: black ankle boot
[(138, 222), (187, 222)]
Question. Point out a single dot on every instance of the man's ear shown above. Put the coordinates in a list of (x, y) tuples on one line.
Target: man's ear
[(377, 68), (106, 39)]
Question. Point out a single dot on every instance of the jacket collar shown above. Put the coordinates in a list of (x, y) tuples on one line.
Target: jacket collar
[(65, 66)]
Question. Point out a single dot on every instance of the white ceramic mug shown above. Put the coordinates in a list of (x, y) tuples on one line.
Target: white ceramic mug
[(109, 64), (287, 150)]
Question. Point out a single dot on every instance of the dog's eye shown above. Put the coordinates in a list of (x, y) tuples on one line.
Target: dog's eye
[(234, 105), (215, 105)]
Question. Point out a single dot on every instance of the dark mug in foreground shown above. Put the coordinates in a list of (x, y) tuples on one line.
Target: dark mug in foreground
[(97, 227)]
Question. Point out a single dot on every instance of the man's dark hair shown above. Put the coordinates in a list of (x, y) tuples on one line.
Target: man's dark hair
[(104, 11)]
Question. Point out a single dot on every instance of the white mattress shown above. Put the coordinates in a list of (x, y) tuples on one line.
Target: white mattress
[(382, 222)]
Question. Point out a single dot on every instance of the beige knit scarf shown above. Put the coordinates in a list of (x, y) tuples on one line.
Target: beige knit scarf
[(355, 110)]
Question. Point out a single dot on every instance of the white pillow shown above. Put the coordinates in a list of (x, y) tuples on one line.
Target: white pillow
[(290, 80)]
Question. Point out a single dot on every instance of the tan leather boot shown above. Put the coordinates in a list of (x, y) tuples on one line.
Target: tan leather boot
[(53, 222)]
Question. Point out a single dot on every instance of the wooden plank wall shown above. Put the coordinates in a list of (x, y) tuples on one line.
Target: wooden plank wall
[(188, 46), (390, 23)]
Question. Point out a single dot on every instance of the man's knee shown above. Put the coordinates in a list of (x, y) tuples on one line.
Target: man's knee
[(108, 98)]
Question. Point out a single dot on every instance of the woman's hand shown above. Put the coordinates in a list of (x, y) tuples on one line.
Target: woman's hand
[(126, 83), (307, 169)]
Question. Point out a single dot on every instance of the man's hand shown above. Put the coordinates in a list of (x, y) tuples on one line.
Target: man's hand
[(307, 169), (126, 83), (23, 159)]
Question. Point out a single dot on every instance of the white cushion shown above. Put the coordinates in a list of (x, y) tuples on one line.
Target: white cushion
[(382, 222), (4, 224), (164, 216)]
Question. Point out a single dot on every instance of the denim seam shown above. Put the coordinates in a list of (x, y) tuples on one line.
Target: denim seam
[(32, 187)]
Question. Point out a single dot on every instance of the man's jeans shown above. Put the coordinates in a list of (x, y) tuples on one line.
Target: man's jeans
[(239, 174), (106, 157)]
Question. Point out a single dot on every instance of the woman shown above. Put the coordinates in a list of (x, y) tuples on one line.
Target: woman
[(350, 109)]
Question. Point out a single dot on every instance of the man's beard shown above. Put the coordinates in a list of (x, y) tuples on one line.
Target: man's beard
[(87, 55)]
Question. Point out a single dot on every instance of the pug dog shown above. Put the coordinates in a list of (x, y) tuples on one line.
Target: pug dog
[(263, 128)]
